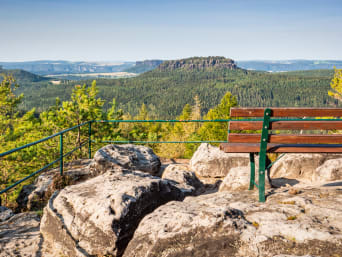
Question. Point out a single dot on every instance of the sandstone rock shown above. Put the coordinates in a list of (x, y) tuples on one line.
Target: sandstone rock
[(286, 255), (99, 216), (5, 213), (331, 170), (238, 179), (236, 225), (36, 195), (183, 178), (129, 156), (19, 236), (210, 161), (303, 166)]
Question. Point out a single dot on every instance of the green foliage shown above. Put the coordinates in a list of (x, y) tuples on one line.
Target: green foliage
[(218, 130), (336, 85)]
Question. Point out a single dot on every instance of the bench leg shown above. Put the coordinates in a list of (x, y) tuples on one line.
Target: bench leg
[(262, 171), (262, 153), (252, 176)]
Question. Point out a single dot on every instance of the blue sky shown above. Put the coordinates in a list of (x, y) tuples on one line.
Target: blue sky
[(129, 30)]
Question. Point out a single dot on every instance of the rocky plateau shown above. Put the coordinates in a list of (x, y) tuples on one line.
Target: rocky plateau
[(126, 202)]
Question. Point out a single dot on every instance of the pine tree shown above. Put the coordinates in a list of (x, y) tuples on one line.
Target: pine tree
[(215, 131)]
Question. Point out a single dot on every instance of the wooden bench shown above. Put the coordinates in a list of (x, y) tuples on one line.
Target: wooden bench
[(268, 120)]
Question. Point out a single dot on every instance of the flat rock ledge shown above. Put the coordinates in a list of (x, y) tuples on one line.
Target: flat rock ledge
[(20, 236), (305, 223), (98, 217)]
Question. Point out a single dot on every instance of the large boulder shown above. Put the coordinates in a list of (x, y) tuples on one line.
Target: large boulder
[(20, 236), (210, 161), (183, 178), (35, 196), (129, 156), (307, 167), (99, 216), (236, 225)]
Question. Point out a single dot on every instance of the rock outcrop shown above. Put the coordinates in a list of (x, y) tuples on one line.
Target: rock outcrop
[(198, 63), (183, 178), (238, 179), (5, 213), (330, 170), (114, 206), (129, 156), (20, 236), (99, 216), (35, 196), (306, 167), (235, 224), (210, 161)]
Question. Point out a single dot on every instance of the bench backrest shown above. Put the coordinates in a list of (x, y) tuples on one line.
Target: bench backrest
[(305, 113)]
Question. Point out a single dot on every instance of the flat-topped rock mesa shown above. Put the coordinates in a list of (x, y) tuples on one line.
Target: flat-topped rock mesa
[(198, 63)]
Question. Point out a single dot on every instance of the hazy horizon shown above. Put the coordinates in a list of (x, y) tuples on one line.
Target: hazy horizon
[(128, 61)]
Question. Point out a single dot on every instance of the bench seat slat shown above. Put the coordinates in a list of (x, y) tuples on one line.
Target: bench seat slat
[(281, 148), (287, 125), (286, 112), (286, 138)]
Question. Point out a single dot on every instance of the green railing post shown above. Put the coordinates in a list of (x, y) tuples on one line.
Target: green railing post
[(89, 134), (61, 154), (252, 177), (262, 154)]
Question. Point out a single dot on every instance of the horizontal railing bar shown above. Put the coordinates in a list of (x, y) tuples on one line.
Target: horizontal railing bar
[(73, 150), (221, 120), (41, 140), (157, 142), (31, 175)]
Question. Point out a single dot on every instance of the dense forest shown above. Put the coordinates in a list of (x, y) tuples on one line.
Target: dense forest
[(166, 89)]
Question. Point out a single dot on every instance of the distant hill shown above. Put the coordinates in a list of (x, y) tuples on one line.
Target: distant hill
[(289, 65), (65, 67), (143, 66), (23, 76), (166, 89)]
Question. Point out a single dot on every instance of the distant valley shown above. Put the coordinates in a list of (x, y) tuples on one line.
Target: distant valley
[(172, 84)]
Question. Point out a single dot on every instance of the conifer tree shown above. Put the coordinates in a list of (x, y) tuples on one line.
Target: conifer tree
[(215, 131)]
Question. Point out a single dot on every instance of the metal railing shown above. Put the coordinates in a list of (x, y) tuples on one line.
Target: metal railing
[(89, 141)]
